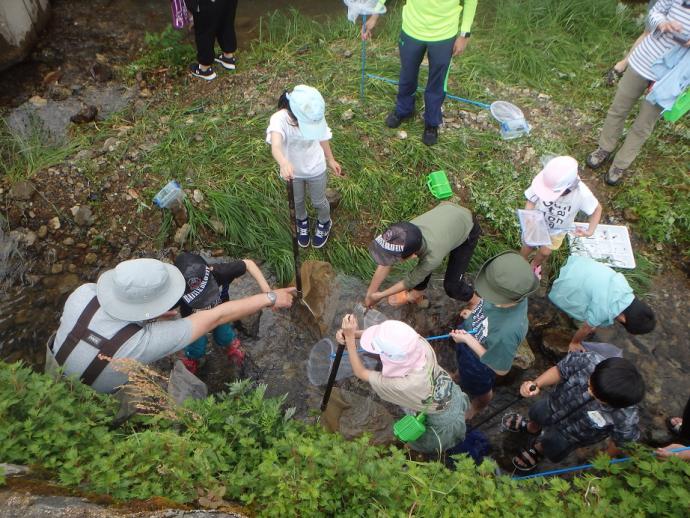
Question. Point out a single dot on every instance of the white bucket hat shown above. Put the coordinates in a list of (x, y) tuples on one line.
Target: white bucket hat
[(139, 289)]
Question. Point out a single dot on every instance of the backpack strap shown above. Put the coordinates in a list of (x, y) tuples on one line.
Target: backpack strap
[(80, 329), (107, 351)]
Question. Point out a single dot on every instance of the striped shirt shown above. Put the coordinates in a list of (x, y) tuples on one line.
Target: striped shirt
[(658, 43)]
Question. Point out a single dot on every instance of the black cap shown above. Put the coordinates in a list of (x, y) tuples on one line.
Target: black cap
[(399, 241), (201, 288)]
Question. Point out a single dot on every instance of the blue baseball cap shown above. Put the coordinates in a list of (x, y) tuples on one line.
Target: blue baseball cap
[(307, 104)]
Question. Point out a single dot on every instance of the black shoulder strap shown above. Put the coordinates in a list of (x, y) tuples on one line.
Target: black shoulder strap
[(107, 351), (79, 329)]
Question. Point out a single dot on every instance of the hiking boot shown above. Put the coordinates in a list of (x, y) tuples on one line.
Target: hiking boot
[(207, 75), (191, 365), (430, 135), (393, 120), (597, 158), (615, 175), (303, 232), (321, 234), (234, 353), (227, 63)]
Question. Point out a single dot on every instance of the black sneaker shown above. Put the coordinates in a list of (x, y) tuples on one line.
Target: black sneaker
[(303, 232), (208, 74), (393, 120), (228, 63), (430, 135), (321, 234)]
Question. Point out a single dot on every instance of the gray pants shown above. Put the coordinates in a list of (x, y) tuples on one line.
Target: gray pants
[(631, 87), (317, 192)]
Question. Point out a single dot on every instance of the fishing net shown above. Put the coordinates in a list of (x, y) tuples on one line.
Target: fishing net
[(511, 119), (357, 8), (323, 352)]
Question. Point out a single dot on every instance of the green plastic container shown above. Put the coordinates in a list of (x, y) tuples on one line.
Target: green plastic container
[(410, 428), (439, 185), (679, 108)]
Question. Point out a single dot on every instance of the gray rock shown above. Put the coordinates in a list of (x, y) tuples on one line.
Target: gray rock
[(182, 234), (333, 196), (22, 191), (524, 357), (54, 223), (58, 93), (86, 114), (42, 231), (13, 470), (82, 215), (110, 144), (90, 259)]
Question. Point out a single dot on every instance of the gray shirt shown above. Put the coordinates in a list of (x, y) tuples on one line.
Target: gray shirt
[(155, 341)]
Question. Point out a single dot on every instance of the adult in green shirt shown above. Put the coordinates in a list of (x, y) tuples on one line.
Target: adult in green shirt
[(446, 230), (440, 29), (498, 324)]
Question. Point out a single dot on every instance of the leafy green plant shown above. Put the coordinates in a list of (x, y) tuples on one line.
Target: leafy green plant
[(244, 446), (167, 49)]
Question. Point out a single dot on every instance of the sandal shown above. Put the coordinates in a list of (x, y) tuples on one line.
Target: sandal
[(403, 297), (674, 428), (516, 423), (537, 271), (527, 459)]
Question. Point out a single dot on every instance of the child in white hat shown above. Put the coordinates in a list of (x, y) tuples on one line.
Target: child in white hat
[(558, 192), (300, 143)]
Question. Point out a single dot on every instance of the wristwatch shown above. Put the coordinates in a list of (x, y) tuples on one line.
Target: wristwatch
[(272, 297), (464, 34)]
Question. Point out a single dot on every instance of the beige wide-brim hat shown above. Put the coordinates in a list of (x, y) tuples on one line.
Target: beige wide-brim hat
[(139, 289)]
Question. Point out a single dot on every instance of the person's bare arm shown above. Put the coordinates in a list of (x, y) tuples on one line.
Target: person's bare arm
[(349, 328), (593, 222), (286, 170), (549, 377), (335, 166), (255, 272), (205, 321), (376, 280), (582, 333), (529, 205)]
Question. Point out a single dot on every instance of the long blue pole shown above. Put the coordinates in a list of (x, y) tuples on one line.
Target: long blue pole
[(364, 60)]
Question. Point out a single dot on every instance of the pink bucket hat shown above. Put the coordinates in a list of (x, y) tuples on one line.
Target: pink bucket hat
[(559, 174), (400, 347)]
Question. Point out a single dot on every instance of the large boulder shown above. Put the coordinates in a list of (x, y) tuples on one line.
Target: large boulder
[(21, 21)]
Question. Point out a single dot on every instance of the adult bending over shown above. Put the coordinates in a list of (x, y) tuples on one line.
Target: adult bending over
[(125, 315)]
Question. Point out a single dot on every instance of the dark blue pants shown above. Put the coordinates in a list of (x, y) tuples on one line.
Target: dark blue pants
[(411, 54)]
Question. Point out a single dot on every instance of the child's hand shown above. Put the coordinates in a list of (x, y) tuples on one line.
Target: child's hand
[(349, 326), (460, 336), (340, 337), (286, 171), (576, 347), (529, 389), (335, 167), (582, 232)]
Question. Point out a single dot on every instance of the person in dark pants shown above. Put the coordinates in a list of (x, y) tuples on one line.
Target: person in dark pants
[(447, 230), (213, 20), (441, 30)]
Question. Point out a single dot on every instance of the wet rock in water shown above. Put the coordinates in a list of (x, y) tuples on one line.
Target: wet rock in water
[(101, 72), (542, 313), (90, 259), (353, 415), (333, 196), (58, 93), (22, 191), (86, 114), (182, 234), (63, 283), (82, 215), (317, 287), (54, 223), (56, 268), (524, 357), (555, 341)]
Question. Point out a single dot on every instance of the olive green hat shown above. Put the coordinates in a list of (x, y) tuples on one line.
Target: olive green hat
[(506, 278)]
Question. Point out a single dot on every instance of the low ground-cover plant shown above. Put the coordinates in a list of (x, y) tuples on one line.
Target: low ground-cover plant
[(246, 446)]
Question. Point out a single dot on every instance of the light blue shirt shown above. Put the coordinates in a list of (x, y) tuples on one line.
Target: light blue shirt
[(590, 291), (674, 72)]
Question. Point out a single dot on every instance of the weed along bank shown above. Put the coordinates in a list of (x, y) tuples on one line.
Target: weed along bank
[(447, 309)]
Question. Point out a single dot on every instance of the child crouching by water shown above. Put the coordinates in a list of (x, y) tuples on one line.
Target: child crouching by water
[(299, 137), (411, 378)]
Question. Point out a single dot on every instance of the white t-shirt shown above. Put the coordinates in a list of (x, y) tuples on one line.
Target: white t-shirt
[(306, 156), (560, 214), (155, 341)]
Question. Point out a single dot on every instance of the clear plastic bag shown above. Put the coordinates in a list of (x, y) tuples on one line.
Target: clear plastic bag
[(357, 8)]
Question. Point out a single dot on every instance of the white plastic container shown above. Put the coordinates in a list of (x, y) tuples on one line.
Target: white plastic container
[(169, 195)]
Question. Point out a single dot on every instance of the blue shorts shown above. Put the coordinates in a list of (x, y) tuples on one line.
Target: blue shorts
[(476, 379)]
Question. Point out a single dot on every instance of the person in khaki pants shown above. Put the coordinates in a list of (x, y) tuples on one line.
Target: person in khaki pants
[(669, 23)]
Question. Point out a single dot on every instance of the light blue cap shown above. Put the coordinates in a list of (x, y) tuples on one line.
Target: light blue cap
[(307, 104)]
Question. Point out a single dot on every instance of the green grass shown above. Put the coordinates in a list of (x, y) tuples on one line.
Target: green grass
[(212, 139)]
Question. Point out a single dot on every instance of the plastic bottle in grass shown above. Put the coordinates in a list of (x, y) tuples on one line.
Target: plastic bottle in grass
[(171, 197)]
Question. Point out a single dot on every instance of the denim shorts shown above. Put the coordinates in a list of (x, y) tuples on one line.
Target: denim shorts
[(476, 379)]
